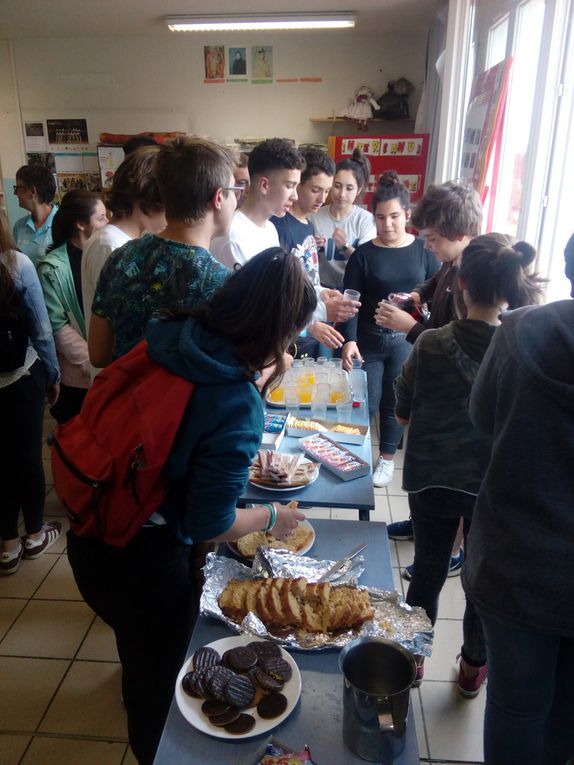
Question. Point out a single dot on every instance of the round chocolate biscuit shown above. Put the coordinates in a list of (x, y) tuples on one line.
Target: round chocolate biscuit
[(213, 708), (227, 717), (242, 658), (264, 648), (277, 668), (186, 684), (259, 693), (205, 657), (216, 679), (193, 683), (272, 706), (239, 691), (265, 681), (243, 724), (225, 657)]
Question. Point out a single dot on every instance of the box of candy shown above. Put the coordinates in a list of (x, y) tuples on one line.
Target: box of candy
[(338, 459), (273, 430)]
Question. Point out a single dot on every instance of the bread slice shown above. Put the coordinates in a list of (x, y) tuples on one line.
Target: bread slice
[(311, 620), (348, 607), (290, 604), (274, 604), (232, 599), (251, 595), (261, 602), (248, 544), (339, 609)]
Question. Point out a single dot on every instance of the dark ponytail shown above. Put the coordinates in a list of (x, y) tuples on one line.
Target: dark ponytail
[(77, 206), (390, 187), (494, 270), (359, 165)]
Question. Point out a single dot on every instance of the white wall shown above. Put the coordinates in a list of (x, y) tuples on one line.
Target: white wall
[(133, 84)]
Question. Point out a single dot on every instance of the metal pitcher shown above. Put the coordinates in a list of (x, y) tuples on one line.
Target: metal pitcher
[(378, 674)]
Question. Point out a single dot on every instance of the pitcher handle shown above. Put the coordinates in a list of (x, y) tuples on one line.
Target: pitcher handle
[(386, 724)]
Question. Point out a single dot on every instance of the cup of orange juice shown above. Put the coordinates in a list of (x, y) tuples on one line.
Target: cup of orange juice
[(277, 395), (335, 396)]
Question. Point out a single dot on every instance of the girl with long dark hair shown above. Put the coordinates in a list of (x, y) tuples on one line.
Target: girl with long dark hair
[(394, 261), (341, 226), (143, 590), (60, 271)]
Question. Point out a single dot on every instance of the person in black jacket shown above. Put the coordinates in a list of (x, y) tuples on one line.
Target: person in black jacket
[(520, 567)]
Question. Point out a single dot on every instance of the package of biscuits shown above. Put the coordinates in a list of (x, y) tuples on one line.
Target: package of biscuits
[(341, 461), (342, 432), (273, 430)]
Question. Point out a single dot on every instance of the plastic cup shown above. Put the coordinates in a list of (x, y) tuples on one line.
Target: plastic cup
[(277, 395), (351, 295), (335, 395), (318, 410), (322, 392), (291, 400), (344, 410)]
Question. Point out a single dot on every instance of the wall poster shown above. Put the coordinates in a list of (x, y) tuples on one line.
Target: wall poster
[(237, 63), (214, 59), (67, 131), (262, 64)]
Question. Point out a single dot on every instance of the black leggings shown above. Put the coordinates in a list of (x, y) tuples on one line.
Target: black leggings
[(22, 483), (144, 593), (436, 514)]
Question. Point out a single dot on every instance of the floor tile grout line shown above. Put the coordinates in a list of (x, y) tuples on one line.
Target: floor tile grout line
[(28, 600), (425, 731)]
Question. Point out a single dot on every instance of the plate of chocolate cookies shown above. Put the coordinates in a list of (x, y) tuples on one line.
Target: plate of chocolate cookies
[(238, 687)]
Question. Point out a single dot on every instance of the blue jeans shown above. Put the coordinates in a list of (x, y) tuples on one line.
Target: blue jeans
[(384, 353), (435, 514), (529, 715)]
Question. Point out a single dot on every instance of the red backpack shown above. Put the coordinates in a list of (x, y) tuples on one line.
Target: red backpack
[(107, 461)]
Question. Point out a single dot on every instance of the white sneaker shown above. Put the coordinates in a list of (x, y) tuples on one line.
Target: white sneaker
[(383, 472)]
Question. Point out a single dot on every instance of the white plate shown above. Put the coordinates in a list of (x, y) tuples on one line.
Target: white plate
[(233, 545), (190, 708), (290, 488)]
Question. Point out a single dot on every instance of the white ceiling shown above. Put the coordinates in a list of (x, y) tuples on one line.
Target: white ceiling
[(102, 18)]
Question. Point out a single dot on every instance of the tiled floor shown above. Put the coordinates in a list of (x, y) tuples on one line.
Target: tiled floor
[(60, 676)]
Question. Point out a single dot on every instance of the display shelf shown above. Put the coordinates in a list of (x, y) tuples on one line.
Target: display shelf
[(331, 120)]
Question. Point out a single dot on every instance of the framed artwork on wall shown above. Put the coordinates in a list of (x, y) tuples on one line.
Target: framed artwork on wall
[(237, 62), (214, 57), (262, 63)]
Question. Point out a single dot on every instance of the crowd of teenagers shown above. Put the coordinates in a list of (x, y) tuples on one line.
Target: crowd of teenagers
[(229, 265)]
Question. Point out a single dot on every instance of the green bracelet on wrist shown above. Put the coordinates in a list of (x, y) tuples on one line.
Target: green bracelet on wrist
[(272, 516)]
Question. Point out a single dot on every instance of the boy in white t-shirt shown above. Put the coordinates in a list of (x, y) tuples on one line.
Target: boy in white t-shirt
[(275, 171)]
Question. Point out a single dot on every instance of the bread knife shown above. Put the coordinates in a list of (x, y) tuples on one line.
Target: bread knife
[(340, 563)]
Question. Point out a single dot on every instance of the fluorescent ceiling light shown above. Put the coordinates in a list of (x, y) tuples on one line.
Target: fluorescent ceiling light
[(254, 21)]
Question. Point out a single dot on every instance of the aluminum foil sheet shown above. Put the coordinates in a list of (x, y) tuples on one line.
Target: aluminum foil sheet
[(393, 619)]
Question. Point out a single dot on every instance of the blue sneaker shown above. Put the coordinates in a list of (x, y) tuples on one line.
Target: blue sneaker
[(401, 531), (453, 570)]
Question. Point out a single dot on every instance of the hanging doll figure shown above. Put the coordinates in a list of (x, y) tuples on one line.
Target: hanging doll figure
[(361, 109)]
